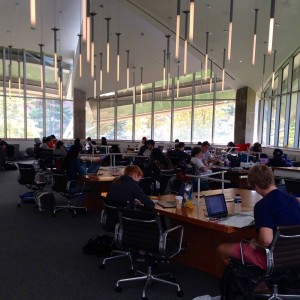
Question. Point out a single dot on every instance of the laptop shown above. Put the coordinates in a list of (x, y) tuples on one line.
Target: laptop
[(216, 206), (93, 168), (167, 204)]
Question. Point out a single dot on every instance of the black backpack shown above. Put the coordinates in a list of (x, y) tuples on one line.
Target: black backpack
[(238, 281), (99, 245)]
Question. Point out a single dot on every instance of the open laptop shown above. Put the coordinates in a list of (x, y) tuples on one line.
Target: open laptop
[(93, 168), (167, 204), (216, 206)]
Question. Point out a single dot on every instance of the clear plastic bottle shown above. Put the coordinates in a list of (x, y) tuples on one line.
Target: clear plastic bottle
[(237, 204)]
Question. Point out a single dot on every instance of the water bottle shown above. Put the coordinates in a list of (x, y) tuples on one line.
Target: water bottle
[(237, 202), (190, 197), (84, 167)]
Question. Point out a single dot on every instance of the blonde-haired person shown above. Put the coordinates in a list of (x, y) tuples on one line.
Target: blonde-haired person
[(126, 192), (276, 208)]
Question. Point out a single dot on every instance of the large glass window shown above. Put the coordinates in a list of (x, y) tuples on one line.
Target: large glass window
[(282, 120), (1, 116), (91, 118), (53, 118), (296, 67), (124, 118), (68, 122), (15, 117), (107, 123), (292, 123), (34, 117)]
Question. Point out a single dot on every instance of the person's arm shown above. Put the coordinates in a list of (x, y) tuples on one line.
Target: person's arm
[(265, 237)]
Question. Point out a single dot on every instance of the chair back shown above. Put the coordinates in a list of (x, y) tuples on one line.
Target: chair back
[(59, 182), (139, 230), (26, 174), (148, 185), (110, 217), (284, 253)]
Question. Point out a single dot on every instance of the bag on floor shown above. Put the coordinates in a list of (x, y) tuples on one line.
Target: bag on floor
[(237, 282), (99, 245), (46, 201)]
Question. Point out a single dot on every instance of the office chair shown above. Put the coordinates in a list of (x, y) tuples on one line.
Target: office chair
[(148, 185), (46, 159), (283, 261), (142, 231), (27, 176), (109, 220), (164, 177), (61, 185)]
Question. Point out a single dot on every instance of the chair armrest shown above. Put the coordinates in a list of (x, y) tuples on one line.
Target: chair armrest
[(69, 184), (164, 239), (248, 242)]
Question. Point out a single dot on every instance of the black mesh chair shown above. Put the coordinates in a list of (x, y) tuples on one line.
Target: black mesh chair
[(283, 261), (28, 177), (142, 231), (148, 185), (164, 177), (61, 185), (109, 220)]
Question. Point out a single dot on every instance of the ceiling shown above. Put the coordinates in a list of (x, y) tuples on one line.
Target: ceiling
[(143, 25)]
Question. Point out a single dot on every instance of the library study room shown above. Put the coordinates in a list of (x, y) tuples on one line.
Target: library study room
[(150, 149)]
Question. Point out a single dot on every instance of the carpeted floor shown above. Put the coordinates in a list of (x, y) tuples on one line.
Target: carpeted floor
[(41, 257)]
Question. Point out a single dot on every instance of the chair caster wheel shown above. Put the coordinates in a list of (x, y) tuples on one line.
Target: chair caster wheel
[(102, 266), (180, 293), (19, 205), (118, 289)]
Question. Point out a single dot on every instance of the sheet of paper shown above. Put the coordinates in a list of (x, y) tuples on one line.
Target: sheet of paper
[(238, 221)]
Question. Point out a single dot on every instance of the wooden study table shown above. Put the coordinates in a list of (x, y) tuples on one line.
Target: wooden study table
[(203, 236), (287, 172), (99, 185)]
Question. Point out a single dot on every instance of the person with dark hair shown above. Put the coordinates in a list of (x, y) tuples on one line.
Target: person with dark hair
[(279, 160), (276, 208), (231, 147), (103, 141), (77, 142), (131, 193), (256, 147), (198, 161), (60, 149), (150, 146), (71, 164), (144, 146), (206, 153), (158, 161), (52, 142), (45, 143)]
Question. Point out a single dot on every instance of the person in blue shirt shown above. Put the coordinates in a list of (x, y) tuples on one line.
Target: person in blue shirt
[(276, 208), (72, 165)]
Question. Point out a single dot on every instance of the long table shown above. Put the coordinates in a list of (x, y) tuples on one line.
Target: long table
[(203, 236), (287, 172)]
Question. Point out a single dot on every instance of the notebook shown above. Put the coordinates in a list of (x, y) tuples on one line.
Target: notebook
[(93, 168), (216, 206), (167, 204)]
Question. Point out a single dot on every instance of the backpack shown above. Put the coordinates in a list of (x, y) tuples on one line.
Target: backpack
[(238, 281), (99, 245)]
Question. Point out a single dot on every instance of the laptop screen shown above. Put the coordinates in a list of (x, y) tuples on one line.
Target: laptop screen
[(216, 206), (93, 168)]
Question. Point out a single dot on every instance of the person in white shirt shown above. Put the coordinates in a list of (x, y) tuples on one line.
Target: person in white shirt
[(198, 161)]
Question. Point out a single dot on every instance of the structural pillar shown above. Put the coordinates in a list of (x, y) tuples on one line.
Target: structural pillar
[(79, 113)]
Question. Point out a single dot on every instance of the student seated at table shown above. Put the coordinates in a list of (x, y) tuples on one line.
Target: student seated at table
[(126, 192), (279, 160), (276, 208), (150, 146), (71, 164), (143, 146), (158, 162), (207, 155)]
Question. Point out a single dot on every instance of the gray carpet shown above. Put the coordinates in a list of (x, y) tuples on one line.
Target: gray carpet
[(41, 257)]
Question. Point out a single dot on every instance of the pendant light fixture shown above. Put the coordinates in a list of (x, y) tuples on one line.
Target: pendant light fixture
[(32, 14), (88, 33), (84, 13), (92, 16), (168, 63), (271, 27), (118, 56), (127, 70), (206, 55), (55, 53), (273, 71), (223, 71), (177, 31), (263, 73), (80, 54), (230, 31), (101, 73), (211, 75), (178, 80), (95, 83), (164, 70), (186, 12), (42, 65), (107, 44), (141, 84), (10, 69), (254, 36), (19, 62), (192, 14)]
